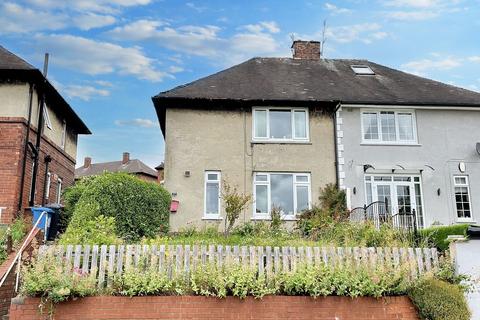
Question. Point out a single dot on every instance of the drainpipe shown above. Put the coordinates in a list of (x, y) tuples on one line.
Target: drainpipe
[(31, 201), (25, 147), (48, 159), (337, 177)]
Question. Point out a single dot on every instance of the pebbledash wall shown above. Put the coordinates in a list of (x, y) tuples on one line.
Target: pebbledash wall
[(221, 140), (194, 307), (446, 138)]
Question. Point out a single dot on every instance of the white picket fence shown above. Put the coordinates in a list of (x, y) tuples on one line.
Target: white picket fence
[(109, 260)]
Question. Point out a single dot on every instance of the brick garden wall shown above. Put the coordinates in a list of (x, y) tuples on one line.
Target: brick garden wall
[(12, 138), (189, 307)]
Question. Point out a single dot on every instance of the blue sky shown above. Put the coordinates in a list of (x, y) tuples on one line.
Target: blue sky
[(109, 57)]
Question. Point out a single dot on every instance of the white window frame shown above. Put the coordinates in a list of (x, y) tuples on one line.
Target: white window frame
[(370, 179), (48, 184), (64, 134), (59, 189), (219, 181), (292, 110), (397, 130), (266, 215), (46, 117), (467, 184)]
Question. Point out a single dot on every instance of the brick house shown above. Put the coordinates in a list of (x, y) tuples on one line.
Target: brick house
[(23, 89), (133, 166)]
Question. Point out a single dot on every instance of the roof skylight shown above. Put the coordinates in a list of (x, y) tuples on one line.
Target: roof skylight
[(362, 70)]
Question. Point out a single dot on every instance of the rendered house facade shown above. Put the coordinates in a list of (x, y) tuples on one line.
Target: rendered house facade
[(282, 128), (21, 84)]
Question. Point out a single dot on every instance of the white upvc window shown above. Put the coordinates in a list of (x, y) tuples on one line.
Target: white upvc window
[(212, 194), (280, 124), (290, 192), (64, 134), (463, 205), (59, 189), (46, 117), (389, 127)]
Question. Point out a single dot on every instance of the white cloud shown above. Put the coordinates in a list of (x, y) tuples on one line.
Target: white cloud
[(175, 69), (193, 6), (250, 40), (364, 32), (138, 122), (412, 15), (413, 3), (104, 83), (336, 10), (474, 59), (98, 6), (421, 67), (80, 91), (95, 57), (91, 20), (17, 19), (263, 26), (84, 92)]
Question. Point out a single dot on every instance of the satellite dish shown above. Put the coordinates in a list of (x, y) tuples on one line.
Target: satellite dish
[(478, 148)]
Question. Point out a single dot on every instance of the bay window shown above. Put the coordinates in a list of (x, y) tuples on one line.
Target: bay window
[(289, 192), (280, 124), (388, 126)]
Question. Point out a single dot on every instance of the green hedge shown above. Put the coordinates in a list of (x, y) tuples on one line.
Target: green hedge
[(139, 208), (438, 235), (439, 300)]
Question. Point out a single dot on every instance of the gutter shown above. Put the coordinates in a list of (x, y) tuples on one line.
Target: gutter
[(335, 137)]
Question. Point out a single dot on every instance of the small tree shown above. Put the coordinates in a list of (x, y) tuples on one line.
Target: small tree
[(235, 202)]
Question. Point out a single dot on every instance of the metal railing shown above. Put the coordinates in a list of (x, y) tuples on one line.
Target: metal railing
[(379, 213)]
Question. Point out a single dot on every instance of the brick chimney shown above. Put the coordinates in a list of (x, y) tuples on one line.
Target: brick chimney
[(87, 162), (126, 158), (308, 50)]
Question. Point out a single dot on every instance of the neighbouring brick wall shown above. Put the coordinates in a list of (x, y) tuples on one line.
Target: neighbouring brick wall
[(189, 307), (12, 138)]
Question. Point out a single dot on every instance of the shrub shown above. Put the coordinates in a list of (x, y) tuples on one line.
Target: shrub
[(90, 227), (438, 235), (133, 283), (235, 202), (140, 208), (436, 299)]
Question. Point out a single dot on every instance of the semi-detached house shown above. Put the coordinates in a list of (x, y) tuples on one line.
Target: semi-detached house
[(282, 128)]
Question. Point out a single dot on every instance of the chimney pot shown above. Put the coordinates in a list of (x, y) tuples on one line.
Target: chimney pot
[(126, 158), (87, 162), (307, 50)]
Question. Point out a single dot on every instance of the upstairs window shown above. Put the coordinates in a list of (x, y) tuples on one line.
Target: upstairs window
[(64, 135), (387, 126), (46, 118), (280, 124)]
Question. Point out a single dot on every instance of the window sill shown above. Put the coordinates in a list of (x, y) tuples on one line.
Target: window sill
[(465, 221), (280, 142), (390, 144), (212, 218), (265, 218)]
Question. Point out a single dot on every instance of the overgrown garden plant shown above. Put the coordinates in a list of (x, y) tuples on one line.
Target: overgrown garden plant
[(235, 202), (137, 208)]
